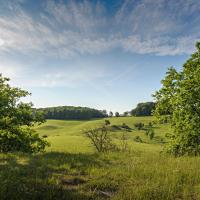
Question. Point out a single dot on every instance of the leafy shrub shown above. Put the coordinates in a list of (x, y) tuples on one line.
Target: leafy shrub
[(115, 128), (147, 132), (150, 124), (139, 125), (124, 142), (21, 139), (100, 139), (151, 134), (125, 126), (107, 122), (138, 139)]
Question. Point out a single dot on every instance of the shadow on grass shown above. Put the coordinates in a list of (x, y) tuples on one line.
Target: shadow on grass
[(39, 176)]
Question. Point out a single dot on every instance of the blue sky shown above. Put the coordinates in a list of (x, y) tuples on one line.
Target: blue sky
[(106, 54)]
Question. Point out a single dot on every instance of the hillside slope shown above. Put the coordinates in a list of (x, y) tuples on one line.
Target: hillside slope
[(71, 169)]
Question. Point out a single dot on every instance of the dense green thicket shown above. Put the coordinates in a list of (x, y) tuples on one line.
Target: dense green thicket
[(16, 120), (71, 112), (179, 97), (143, 109)]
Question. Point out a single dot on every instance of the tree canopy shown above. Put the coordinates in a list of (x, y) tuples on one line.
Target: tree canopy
[(179, 98), (143, 109), (117, 114), (72, 113), (16, 120)]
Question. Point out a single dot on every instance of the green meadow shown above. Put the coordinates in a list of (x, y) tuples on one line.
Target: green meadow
[(72, 169)]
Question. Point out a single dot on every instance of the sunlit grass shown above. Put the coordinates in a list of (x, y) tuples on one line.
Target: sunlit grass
[(71, 169)]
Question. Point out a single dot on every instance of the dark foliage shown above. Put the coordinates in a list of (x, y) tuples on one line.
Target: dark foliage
[(107, 122), (16, 121), (138, 139), (179, 97), (139, 125), (117, 114), (72, 113), (125, 126), (143, 109)]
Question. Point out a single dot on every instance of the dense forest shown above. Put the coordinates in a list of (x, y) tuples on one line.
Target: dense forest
[(143, 109), (71, 112)]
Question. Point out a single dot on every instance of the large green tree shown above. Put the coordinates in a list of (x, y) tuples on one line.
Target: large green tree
[(179, 99), (16, 121)]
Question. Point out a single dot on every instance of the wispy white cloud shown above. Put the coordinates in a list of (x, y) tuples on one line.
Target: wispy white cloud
[(67, 30), (66, 76), (159, 27), (162, 46), (82, 27)]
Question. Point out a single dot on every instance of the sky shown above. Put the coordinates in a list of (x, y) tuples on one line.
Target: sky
[(105, 54)]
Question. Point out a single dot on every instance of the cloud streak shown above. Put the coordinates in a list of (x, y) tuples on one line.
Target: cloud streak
[(82, 27)]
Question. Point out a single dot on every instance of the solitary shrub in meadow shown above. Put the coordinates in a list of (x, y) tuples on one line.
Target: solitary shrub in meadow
[(138, 139), (107, 122), (151, 134), (126, 127), (139, 125), (150, 125), (100, 139), (147, 131), (124, 142)]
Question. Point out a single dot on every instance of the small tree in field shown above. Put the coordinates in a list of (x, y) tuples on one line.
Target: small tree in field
[(179, 99), (16, 120), (125, 114), (107, 122), (117, 114), (110, 114), (139, 125), (151, 134), (100, 139)]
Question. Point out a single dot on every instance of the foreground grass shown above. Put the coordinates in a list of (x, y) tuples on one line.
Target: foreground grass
[(138, 175), (71, 169)]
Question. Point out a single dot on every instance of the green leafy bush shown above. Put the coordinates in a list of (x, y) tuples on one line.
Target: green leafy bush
[(107, 122), (139, 125), (126, 127), (151, 134), (16, 121), (100, 139), (138, 139)]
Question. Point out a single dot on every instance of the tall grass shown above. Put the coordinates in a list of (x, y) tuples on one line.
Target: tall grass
[(71, 169)]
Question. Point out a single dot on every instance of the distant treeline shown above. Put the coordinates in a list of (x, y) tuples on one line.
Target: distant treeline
[(71, 112), (143, 109), (85, 113)]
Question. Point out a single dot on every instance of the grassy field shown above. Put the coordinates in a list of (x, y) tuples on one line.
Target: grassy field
[(72, 169)]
